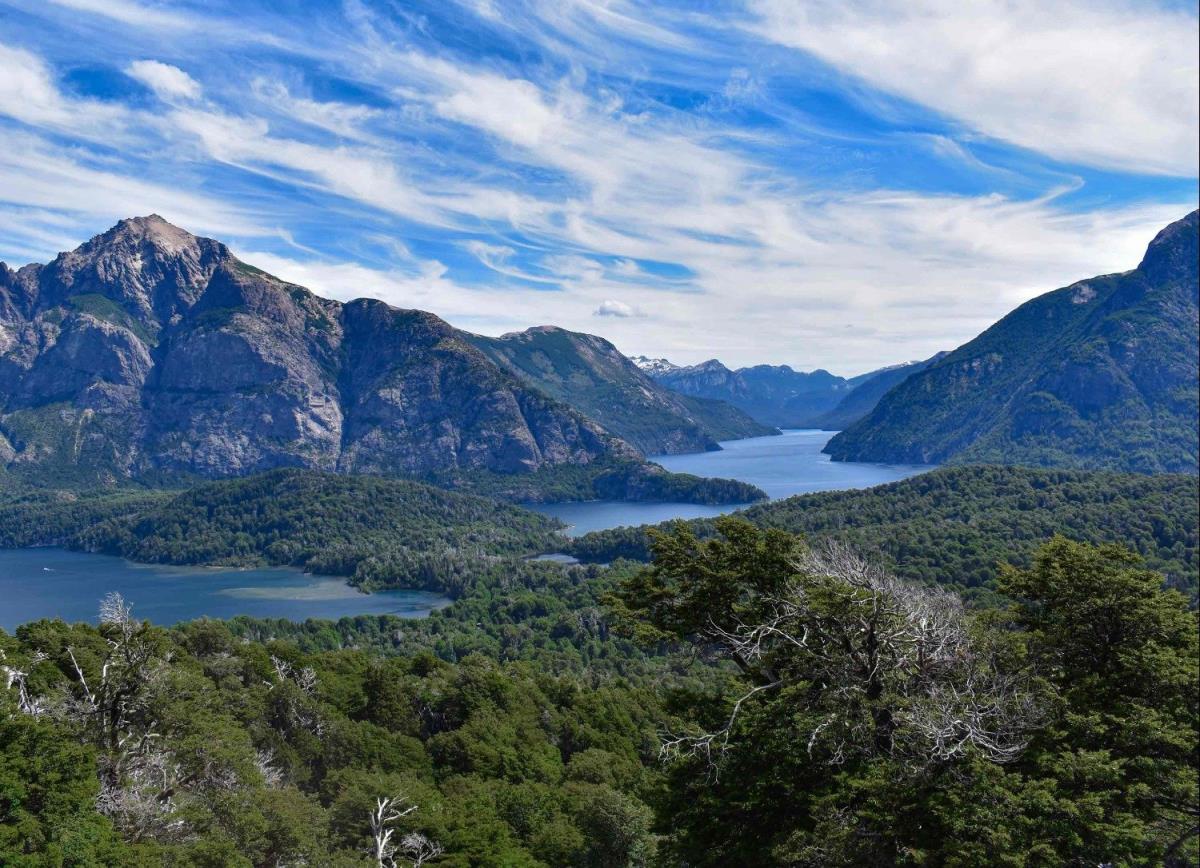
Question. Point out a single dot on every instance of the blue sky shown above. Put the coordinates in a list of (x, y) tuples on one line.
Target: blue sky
[(822, 184)]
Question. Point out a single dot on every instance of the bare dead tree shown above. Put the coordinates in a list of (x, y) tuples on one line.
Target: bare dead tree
[(18, 679), (300, 713), (892, 665), (412, 850), (418, 849), (264, 761), (388, 810), (112, 710)]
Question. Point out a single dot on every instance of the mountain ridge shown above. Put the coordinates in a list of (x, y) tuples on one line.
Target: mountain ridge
[(1102, 373), (776, 395), (589, 373), (149, 350)]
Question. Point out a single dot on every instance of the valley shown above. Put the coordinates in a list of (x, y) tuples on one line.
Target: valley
[(271, 563)]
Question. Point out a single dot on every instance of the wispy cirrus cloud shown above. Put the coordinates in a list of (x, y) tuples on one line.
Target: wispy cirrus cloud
[(1109, 84), (687, 183)]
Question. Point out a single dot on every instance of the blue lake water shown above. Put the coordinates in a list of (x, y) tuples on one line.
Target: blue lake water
[(781, 466), (55, 583)]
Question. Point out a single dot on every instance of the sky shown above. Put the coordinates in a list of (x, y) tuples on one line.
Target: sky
[(841, 184)]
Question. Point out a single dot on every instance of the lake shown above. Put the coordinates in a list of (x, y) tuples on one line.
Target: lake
[(781, 466), (55, 583)]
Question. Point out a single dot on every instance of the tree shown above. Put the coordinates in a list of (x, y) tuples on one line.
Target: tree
[(865, 688), (413, 848), (1119, 758)]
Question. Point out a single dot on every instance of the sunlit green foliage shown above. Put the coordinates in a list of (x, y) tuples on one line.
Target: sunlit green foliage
[(956, 525)]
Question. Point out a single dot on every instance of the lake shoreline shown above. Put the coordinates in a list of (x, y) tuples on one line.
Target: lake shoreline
[(782, 465), (54, 582)]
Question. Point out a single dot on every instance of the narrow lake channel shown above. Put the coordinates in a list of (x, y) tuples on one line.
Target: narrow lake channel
[(781, 466)]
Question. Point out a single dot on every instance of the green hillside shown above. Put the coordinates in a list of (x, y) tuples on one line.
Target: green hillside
[(591, 375), (379, 532), (1100, 374), (954, 525)]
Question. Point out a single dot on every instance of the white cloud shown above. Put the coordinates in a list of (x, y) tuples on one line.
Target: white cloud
[(168, 82), (342, 119), (561, 187), (513, 109), (29, 94), (359, 174), (62, 198), (610, 307), (1106, 83), (492, 255), (909, 275), (129, 13)]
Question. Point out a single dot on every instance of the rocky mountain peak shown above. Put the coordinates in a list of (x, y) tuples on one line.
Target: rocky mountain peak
[(150, 267), (151, 229), (1173, 253), (654, 367), (712, 365)]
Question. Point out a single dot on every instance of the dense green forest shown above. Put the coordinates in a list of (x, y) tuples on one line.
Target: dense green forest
[(601, 481), (55, 516), (582, 732), (379, 532), (715, 706), (955, 525)]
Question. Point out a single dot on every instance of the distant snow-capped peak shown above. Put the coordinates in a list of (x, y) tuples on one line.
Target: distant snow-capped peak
[(654, 367)]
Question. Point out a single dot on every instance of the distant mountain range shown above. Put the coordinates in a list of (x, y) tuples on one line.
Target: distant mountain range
[(1099, 374), (777, 395), (591, 375), (149, 353), (862, 399)]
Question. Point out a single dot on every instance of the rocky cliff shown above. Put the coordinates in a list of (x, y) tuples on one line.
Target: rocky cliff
[(150, 351), (1102, 373)]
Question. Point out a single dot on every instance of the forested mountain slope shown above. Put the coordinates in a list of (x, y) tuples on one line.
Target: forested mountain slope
[(862, 398), (591, 375), (377, 532), (954, 525), (1103, 373)]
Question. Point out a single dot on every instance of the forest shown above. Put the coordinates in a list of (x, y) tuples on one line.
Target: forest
[(377, 532), (854, 678), (746, 698), (953, 526)]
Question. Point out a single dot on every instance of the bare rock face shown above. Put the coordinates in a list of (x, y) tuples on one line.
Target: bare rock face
[(148, 350)]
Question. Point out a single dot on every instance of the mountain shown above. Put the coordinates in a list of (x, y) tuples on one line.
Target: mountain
[(591, 375), (150, 351), (1102, 374), (868, 389), (773, 395), (653, 367)]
